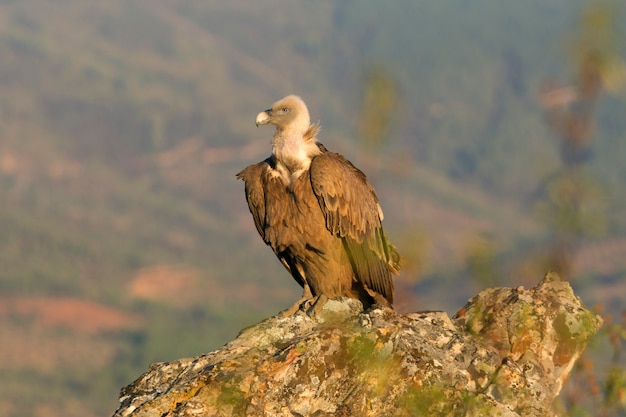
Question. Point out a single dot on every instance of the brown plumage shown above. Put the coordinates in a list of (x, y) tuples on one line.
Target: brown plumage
[(318, 213)]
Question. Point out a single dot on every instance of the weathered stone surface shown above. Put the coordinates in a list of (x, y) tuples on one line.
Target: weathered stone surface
[(506, 353)]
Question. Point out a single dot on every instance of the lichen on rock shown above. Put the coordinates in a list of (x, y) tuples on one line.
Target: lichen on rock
[(506, 353)]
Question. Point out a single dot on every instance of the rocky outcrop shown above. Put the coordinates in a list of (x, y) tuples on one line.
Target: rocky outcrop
[(506, 353)]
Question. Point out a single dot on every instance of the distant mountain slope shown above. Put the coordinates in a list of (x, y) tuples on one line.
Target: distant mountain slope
[(123, 123)]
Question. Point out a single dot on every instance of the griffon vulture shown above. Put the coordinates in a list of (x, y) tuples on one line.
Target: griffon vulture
[(319, 213)]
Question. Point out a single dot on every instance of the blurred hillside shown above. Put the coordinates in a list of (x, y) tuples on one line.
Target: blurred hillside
[(124, 234)]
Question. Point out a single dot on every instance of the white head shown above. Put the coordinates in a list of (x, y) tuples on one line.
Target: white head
[(289, 113), (295, 140)]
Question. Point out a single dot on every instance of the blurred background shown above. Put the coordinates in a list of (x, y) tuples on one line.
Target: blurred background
[(493, 131)]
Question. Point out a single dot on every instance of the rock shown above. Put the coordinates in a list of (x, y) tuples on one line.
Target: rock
[(506, 353)]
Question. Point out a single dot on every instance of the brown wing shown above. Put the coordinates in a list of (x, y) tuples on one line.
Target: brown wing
[(255, 194), (352, 212), (269, 218)]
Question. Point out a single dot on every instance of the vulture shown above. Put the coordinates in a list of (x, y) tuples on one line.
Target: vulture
[(318, 213)]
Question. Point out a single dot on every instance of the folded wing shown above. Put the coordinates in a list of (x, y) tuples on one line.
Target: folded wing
[(352, 212)]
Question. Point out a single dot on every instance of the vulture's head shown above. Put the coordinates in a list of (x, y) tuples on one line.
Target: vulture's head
[(289, 113)]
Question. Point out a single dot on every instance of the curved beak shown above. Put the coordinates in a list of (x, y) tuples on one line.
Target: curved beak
[(263, 118)]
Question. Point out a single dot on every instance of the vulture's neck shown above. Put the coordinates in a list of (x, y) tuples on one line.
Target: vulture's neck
[(294, 151)]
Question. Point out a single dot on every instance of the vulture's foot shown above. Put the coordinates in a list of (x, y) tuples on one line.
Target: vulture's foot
[(314, 305), (300, 304)]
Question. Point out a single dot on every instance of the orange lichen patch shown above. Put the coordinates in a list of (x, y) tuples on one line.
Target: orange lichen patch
[(73, 313), (279, 365), (167, 283), (461, 313), (525, 333), (564, 352), (523, 342)]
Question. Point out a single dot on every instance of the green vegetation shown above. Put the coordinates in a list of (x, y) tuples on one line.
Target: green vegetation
[(122, 125)]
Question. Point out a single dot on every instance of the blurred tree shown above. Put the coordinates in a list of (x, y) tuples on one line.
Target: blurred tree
[(378, 107), (481, 263), (379, 104)]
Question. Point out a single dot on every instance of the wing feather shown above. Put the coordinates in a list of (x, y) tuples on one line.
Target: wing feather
[(255, 194), (352, 212), (348, 201)]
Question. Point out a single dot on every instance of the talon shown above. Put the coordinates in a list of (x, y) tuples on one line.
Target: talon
[(300, 304), (316, 305)]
